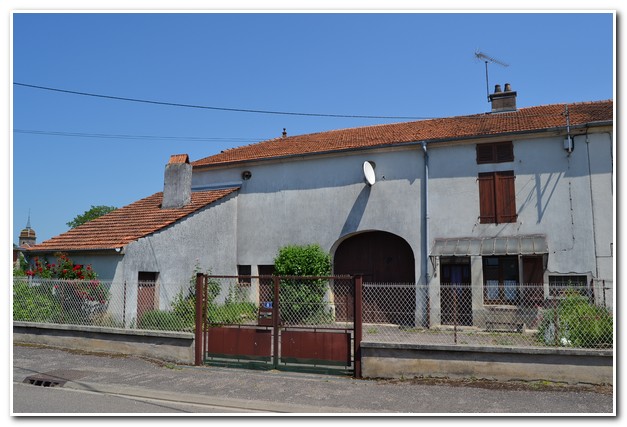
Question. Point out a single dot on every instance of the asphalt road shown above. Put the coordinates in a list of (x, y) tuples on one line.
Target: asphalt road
[(94, 383)]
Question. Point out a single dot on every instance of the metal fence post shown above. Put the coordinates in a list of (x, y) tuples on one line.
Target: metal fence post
[(198, 333), (275, 320), (358, 317)]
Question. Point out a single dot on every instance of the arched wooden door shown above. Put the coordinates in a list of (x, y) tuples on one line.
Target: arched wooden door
[(382, 258)]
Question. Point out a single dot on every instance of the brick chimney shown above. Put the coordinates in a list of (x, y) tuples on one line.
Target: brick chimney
[(503, 101), (177, 186)]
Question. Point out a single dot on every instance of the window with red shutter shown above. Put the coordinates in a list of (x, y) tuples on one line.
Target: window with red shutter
[(497, 197)]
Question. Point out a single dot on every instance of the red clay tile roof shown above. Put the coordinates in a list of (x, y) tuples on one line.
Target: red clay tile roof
[(489, 124), (127, 224), (179, 158)]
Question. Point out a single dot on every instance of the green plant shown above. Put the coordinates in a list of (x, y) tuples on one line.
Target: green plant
[(231, 312), (184, 303), (34, 303), (302, 301), (576, 322), (74, 289), (162, 321)]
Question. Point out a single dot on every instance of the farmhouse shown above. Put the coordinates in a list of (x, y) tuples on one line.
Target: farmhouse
[(503, 205)]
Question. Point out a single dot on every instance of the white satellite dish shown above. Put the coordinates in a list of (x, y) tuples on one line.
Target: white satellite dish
[(369, 173)]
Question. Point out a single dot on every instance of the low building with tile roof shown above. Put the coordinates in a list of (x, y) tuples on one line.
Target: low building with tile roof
[(502, 204)]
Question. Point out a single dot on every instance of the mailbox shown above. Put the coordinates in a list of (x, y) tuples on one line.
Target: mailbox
[(265, 314)]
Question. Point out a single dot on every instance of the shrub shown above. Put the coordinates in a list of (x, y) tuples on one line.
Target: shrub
[(303, 301), (576, 322), (34, 303)]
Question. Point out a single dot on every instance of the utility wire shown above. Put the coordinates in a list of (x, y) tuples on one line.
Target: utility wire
[(204, 107), (153, 137)]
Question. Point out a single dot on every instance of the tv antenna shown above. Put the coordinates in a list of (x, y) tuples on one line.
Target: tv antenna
[(487, 58)]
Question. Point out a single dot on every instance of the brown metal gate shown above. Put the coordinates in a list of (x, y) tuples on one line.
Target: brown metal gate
[(279, 322)]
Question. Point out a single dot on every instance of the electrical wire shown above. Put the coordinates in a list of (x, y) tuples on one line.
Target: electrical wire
[(204, 107), (151, 137)]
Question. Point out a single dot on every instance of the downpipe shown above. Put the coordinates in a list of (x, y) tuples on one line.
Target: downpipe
[(422, 301)]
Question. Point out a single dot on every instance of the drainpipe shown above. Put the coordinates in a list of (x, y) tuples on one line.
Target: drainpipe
[(425, 239), (426, 214)]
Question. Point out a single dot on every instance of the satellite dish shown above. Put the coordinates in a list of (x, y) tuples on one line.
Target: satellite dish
[(369, 173)]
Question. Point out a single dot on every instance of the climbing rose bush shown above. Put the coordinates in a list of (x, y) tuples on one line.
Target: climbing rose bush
[(63, 269), (79, 282)]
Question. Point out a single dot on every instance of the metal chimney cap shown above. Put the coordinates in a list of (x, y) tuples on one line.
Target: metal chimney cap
[(508, 87), (497, 88)]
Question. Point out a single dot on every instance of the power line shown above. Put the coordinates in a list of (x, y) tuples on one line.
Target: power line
[(152, 137), (204, 107)]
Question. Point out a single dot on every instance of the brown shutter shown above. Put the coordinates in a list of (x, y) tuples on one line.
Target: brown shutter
[(487, 212), (504, 152), (495, 152), (505, 197), (485, 153)]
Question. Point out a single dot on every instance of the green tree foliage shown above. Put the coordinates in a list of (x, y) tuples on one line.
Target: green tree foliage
[(93, 213), (302, 301)]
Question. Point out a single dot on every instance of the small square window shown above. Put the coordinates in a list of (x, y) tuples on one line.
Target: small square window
[(495, 152)]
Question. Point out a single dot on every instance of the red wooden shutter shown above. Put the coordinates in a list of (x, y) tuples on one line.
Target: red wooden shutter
[(505, 197), (487, 208)]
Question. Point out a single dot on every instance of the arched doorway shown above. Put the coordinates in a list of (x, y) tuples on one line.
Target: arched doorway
[(382, 258)]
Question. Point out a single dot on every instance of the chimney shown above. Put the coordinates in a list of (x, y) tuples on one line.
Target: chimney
[(503, 101), (177, 186)]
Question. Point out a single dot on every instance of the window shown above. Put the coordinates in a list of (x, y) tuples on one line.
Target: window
[(497, 152), (500, 280), (497, 197), (244, 270), (560, 285)]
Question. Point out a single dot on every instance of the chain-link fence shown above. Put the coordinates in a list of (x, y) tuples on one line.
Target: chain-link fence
[(498, 314), (302, 301), (141, 305)]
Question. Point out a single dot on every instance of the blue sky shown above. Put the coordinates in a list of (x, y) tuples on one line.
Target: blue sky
[(67, 153)]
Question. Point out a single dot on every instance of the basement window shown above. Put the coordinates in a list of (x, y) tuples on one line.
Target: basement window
[(560, 286)]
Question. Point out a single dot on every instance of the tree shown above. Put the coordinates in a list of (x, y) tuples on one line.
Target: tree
[(93, 213)]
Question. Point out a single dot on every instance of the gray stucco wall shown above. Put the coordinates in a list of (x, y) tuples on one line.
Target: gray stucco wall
[(322, 200), (325, 199), (553, 197), (203, 241)]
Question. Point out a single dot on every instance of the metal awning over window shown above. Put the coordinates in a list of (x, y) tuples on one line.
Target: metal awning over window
[(514, 245)]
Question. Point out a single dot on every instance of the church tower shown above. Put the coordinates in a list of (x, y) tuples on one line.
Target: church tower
[(27, 236)]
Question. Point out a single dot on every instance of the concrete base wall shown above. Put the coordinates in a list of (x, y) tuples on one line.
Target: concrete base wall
[(526, 364), (379, 360), (169, 346)]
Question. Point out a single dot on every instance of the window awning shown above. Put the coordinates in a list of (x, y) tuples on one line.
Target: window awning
[(514, 245)]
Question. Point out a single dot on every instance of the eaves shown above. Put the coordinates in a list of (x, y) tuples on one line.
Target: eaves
[(554, 131)]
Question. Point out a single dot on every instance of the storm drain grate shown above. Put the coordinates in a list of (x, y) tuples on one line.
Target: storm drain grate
[(42, 381)]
